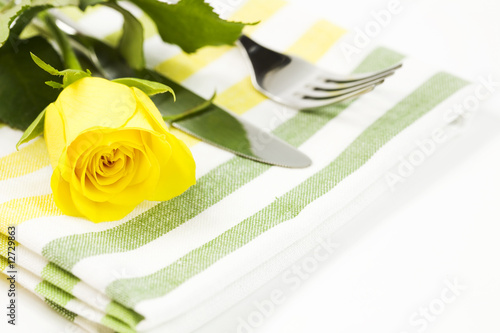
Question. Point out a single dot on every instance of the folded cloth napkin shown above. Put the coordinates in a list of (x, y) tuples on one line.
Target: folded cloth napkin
[(180, 263)]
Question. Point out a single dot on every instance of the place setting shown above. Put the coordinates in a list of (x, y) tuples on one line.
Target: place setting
[(160, 163)]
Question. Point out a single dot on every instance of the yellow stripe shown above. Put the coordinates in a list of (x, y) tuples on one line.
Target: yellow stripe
[(3, 264), (17, 211), (312, 45), (113, 38), (240, 97), (27, 160), (148, 25), (257, 11), (4, 245), (75, 14), (317, 41), (183, 65), (186, 138)]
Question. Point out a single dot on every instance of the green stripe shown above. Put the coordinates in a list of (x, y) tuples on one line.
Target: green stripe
[(61, 298), (126, 315), (58, 299), (51, 292), (210, 189), (62, 311), (116, 325), (67, 281), (107, 321), (59, 277), (425, 98)]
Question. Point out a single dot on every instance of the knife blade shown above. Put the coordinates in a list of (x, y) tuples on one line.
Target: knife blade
[(224, 129), (213, 125)]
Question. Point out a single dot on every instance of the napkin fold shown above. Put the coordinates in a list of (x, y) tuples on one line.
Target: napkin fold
[(180, 263)]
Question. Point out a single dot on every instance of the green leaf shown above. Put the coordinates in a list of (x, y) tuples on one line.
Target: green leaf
[(23, 93), (150, 88), (191, 24), (195, 110), (132, 40), (15, 9), (34, 130), (8, 14)]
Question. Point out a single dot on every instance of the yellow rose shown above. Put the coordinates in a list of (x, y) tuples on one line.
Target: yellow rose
[(110, 150)]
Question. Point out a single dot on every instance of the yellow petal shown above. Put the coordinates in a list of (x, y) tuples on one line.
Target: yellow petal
[(135, 194), (100, 211), (94, 102), (178, 172), (54, 134), (149, 110), (62, 194), (91, 142)]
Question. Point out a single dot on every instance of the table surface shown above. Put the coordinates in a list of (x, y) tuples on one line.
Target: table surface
[(398, 264)]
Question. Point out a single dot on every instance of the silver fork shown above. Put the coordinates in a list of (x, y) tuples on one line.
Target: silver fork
[(294, 82)]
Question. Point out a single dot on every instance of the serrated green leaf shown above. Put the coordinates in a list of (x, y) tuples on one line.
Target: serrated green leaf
[(132, 39), (150, 88), (14, 9), (34, 130), (191, 24), (23, 93), (8, 14)]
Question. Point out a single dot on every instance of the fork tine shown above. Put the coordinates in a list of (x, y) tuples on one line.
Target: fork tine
[(310, 103), (329, 85), (332, 89), (321, 93), (363, 77), (326, 97)]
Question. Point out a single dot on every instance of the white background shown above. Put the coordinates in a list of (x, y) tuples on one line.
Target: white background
[(441, 224)]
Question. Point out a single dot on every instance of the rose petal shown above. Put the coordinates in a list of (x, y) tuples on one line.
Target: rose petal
[(54, 134), (178, 172), (94, 102)]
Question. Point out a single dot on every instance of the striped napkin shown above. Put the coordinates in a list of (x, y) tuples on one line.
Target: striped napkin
[(180, 263)]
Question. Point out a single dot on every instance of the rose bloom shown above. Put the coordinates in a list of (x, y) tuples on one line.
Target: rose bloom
[(110, 150)]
